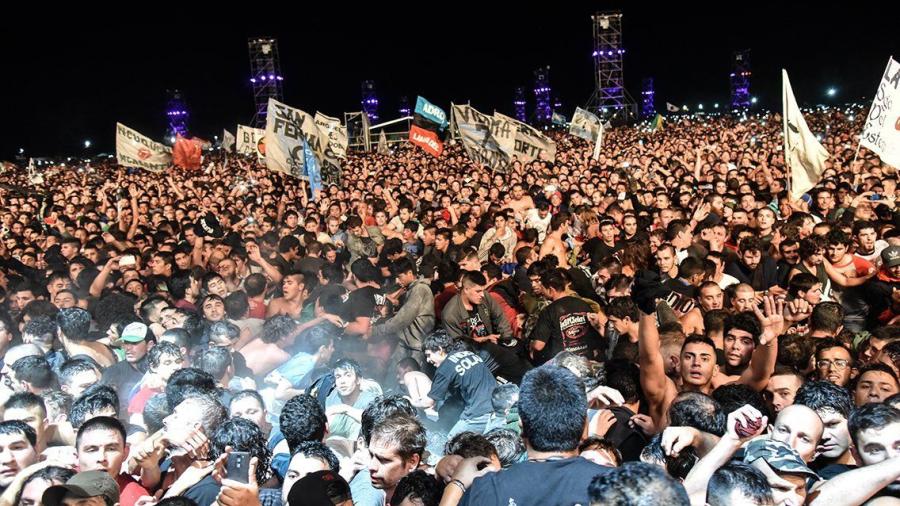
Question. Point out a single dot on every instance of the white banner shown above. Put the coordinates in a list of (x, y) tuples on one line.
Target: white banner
[(804, 156), (882, 131), (530, 142), (336, 134), (227, 140), (251, 141), (672, 107), (482, 136), (136, 150), (585, 125)]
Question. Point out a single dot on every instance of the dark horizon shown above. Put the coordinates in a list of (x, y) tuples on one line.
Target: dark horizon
[(56, 98)]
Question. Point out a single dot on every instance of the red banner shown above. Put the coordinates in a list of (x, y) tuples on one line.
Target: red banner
[(187, 153), (426, 140)]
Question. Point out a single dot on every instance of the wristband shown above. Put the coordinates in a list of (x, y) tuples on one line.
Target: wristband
[(458, 484)]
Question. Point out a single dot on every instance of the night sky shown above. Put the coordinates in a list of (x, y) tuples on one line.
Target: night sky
[(69, 76)]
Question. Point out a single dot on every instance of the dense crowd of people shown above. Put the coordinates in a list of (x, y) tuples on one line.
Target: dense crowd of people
[(662, 325)]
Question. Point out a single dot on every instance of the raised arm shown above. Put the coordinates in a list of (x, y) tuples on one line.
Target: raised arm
[(697, 480), (762, 364), (856, 486), (653, 371)]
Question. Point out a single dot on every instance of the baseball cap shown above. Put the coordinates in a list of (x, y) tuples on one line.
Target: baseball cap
[(321, 488), (890, 257), (84, 485), (780, 457), (133, 333)]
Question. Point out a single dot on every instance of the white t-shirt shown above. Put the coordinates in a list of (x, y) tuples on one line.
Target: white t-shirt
[(533, 220), (728, 280), (875, 257)]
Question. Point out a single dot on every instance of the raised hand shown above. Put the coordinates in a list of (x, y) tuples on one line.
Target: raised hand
[(771, 319)]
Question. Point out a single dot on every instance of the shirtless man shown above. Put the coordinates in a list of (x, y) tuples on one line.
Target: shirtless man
[(711, 297), (698, 362), (293, 288), (553, 243), (521, 202)]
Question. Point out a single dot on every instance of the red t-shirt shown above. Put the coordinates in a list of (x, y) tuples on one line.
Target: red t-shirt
[(129, 490), (257, 310), (136, 405)]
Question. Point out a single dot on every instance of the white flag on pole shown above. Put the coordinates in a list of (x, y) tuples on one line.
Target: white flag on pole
[(227, 140), (804, 156), (585, 125), (882, 131), (382, 144), (672, 107)]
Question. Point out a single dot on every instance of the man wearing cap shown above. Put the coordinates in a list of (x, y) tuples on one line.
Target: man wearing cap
[(125, 376), (320, 488), (89, 488), (783, 468), (879, 292)]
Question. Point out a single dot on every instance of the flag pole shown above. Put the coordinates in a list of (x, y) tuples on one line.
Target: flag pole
[(784, 122)]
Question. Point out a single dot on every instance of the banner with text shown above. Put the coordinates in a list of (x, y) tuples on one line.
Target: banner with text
[(251, 141), (882, 131), (431, 112), (286, 130), (482, 136), (331, 129), (530, 142), (136, 150), (426, 139)]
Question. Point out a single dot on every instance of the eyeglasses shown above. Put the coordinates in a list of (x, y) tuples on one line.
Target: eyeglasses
[(838, 364)]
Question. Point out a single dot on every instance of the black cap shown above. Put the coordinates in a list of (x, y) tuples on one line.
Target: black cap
[(321, 488)]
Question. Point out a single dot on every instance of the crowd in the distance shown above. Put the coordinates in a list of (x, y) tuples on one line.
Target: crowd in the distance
[(664, 324)]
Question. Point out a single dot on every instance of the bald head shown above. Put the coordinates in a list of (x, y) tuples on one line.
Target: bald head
[(801, 428)]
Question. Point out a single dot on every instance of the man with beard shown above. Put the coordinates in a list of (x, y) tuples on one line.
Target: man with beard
[(834, 362), (754, 267), (789, 250)]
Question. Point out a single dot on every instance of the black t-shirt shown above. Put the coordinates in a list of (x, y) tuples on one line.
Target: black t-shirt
[(551, 482), (564, 326), (281, 264), (465, 376), (597, 250), (364, 302)]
